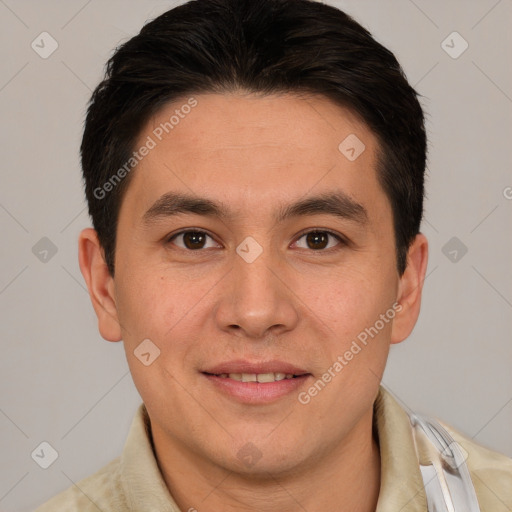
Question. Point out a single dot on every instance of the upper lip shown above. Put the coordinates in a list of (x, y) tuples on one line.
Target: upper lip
[(242, 366)]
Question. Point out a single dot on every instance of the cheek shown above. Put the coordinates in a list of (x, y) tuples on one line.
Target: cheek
[(347, 301), (163, 308), (159, 310), (145, 307)]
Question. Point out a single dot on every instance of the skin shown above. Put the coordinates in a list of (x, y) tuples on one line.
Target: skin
[(293, 303)]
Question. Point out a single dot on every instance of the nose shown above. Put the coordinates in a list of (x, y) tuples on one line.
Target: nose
[(256, 301)]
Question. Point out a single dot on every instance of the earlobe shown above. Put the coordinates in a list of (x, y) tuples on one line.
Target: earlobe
[(410, 289), (99, 283)]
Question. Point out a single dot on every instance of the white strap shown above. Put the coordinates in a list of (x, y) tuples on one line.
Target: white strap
[(446, 477)]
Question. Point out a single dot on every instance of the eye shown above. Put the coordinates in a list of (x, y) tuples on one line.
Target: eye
[(319, 239), (316, 240), (192, 240)]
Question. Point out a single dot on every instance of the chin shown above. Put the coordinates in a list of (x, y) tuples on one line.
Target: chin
[(263, 458), (265, 469)]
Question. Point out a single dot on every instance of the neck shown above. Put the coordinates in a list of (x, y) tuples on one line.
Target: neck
[(347, 478)]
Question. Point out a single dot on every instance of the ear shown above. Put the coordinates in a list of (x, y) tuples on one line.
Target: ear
[(410, 287), (99, 283)]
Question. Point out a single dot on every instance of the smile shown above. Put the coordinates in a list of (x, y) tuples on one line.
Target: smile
[(256, 388), (256, 377)]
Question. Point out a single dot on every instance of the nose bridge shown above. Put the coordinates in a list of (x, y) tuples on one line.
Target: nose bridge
[(254, 279), (254, 282), (256, 299)]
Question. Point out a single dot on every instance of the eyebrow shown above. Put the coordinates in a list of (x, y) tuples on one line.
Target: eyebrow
[(335, 203)]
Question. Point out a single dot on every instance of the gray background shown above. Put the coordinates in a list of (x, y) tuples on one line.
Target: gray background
[(61, 383)]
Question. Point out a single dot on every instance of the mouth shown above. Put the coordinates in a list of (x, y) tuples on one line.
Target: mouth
[(256, 377), (256, 383)]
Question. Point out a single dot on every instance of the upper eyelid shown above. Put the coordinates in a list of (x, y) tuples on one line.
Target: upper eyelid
[(320, 230), (189, 230)]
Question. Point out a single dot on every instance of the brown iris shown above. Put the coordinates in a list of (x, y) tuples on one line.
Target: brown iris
[(317, 239), (194, 239)]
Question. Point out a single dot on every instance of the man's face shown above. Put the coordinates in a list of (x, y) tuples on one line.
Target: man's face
[(252, 292)]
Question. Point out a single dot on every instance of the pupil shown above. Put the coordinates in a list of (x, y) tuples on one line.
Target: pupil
[(193, 239), (318, 240)]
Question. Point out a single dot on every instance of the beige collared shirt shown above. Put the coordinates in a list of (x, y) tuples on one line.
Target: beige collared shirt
[(133, 482)]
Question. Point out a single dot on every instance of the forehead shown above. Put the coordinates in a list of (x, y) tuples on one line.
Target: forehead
[(249, 150), (304, 124)]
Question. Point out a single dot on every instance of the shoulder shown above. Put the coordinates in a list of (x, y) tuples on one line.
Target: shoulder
[(491, 473), (100, 491)]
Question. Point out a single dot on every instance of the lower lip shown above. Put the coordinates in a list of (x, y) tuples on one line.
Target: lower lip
[(257, 392)]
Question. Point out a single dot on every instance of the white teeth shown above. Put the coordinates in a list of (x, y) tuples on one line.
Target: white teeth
[(257, 377), (265, 377)]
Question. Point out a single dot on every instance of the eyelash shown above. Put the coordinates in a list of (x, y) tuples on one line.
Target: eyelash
[(342, 241)]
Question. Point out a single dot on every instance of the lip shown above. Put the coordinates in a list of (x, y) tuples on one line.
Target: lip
[(243, 366), (256, 392)]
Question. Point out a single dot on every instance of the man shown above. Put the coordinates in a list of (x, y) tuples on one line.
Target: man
[(254, 172)]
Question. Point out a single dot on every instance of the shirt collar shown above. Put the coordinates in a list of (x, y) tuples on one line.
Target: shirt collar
[(401, 485), (142, 481)]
